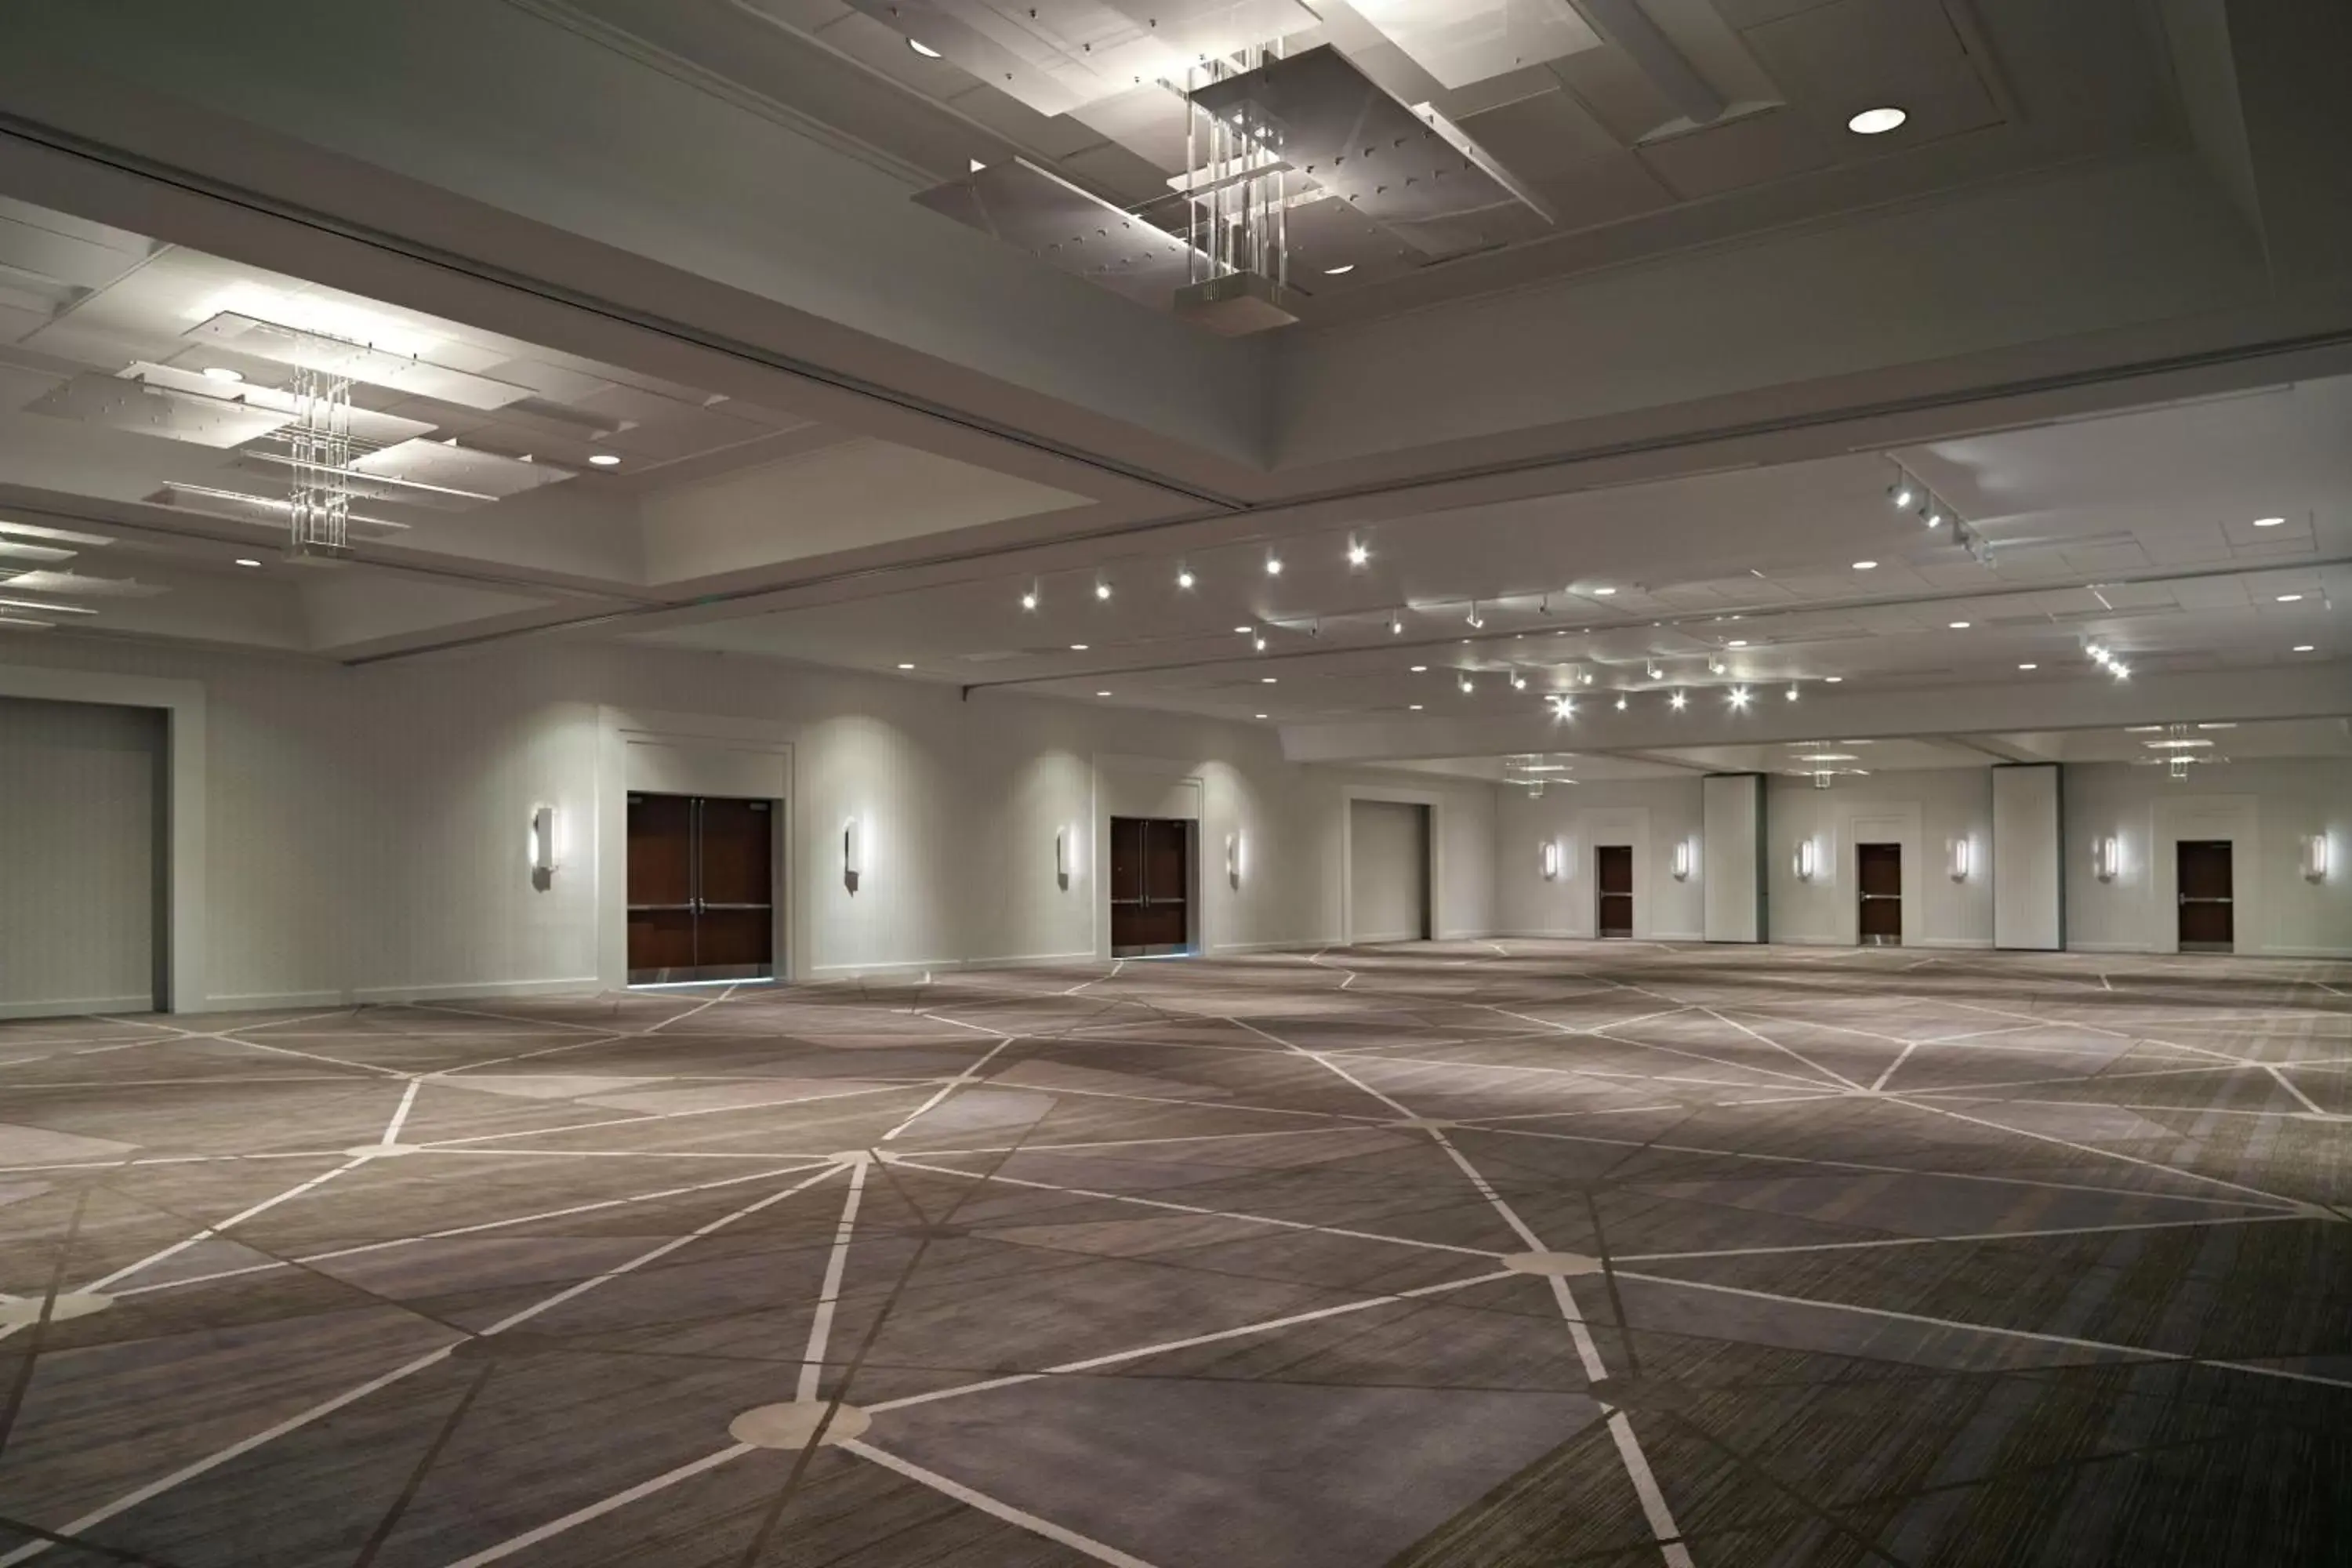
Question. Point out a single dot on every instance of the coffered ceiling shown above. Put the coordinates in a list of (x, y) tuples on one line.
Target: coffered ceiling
[(2095, 293)]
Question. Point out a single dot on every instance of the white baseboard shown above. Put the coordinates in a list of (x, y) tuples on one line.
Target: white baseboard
[(2299, 952), (2108, 947), (895, 971), (259, 1001), (1968, 942), (73, 1006), (478, 990)]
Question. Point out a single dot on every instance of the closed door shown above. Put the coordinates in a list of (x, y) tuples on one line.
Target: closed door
[(1614, 865), (1150, 886), (701, 889), (1880, 872), (2208, 911)]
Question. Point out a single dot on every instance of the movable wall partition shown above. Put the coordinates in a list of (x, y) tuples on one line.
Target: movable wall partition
[(2029, 858), (1733, 838)]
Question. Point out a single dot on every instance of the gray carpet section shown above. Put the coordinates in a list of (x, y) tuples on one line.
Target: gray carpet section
[(1461, 1254)]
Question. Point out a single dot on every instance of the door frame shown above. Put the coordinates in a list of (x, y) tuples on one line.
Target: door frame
[(1596, 826), (184, 971), (1881, 823), (1434, 872), (681, 753), (1633, 868), (1172, 791), (2232, 819), (1902, 890)]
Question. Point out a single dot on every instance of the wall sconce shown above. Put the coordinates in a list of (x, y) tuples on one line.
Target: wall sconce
[(1062, 856), (1550, 858), (853, 852), (1962, 855), (1806, 859), (2106, 858), (542, 842), (2314, 858), (1681, 866), (1235, 853)]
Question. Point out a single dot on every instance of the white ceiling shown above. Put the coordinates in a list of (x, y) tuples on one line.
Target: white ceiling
[(2098, 293)]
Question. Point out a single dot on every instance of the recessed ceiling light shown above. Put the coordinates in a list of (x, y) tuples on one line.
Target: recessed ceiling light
[(923, 48), (1676, 700), (2029, 667), (1962, 625), (1102, 590), (1602, 593), (1865, 565), (1267, 680), (1739, 697), (1244, 630), (1339, 271), (2229, 725), (1257, 715), (2259, 522), (1833, 679), (1876, 121), (1737, 642), (2301, 647), (1183, 577), (1421, 670), (2290, 598), (247, 561), (222, 373), (1077, 648), (604, 460), (1414, 706), (1102, 693), (906, 667)]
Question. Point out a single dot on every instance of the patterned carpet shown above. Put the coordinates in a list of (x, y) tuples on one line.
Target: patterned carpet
[(1450, 1254)]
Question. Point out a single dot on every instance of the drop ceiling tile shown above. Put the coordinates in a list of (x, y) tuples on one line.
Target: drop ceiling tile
[(1753, 150)]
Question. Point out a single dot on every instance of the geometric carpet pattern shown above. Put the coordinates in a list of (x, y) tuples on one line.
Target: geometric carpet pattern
[(1447, 1254)]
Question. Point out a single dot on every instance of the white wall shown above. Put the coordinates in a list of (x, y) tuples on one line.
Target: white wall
[(1388, 871), (1651, 815), (367, 828), (2265, 809), (1924, 811), (79, 853)]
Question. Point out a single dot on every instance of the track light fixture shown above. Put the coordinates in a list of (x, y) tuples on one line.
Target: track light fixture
[(1029, 599), (1183, 577), (1475, 622), (1518, 681), (1273, 565), (1792, 692), (1258, 642), (1396, 625), (1621, 705), (1102, 589), (1356, 552), (1467, 686)]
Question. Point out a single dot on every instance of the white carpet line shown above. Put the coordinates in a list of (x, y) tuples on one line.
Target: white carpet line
[(602, 1507), (1083, 1545), (2118, 1228), (829, 1294), (914, 1163), (457, 1230), (439, 1144), (209, 1232)]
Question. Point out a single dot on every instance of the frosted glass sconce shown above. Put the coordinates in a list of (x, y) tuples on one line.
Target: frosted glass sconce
[(853, 849), (1962, 860), (2106, 858), (1682, 867), (1235, 854), (542, 839), (1550, 859), (2314, 858), (1807, 861)]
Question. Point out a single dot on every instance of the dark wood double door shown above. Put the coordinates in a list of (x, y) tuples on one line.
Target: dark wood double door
[(1614, 916), (1879, 868), (2208, 902), (701, 889), (1150, 886)]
